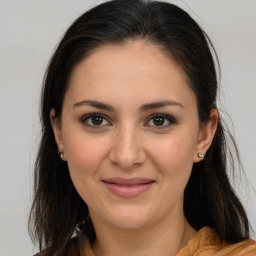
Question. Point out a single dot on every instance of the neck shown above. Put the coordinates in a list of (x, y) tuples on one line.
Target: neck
[(164, 238)]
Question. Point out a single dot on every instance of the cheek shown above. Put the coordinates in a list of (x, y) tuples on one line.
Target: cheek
[(173, 160), (174, 156), (84, 155)]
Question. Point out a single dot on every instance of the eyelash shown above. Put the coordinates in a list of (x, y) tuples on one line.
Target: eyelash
[(94, 115), (167, 118)]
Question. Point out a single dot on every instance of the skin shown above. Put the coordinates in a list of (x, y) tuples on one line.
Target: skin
[(127, 142)]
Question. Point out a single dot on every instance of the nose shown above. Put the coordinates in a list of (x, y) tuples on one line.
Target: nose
[(127, 149)]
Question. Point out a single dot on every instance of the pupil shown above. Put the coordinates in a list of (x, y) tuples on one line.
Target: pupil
[(158, 121), (97, 120)]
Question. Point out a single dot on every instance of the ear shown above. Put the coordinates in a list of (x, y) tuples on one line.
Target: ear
[(206, 135), (56, 126)]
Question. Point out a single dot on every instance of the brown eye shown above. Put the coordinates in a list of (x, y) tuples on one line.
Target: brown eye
[(158, 121), (95, 121)]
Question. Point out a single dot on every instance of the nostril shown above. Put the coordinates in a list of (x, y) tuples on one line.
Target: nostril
[(127, 151)]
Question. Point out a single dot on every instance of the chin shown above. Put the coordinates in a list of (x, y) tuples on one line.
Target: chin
[(130, 218)]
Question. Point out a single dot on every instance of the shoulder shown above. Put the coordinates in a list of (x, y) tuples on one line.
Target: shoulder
[(206, 242), (72, 248)]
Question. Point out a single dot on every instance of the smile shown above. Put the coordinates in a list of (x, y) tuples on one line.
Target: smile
[(128, 188)]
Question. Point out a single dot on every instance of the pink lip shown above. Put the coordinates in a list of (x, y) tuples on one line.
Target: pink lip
[(128, 188)]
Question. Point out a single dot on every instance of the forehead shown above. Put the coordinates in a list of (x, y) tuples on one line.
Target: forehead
[(132, 69), (137, 54)]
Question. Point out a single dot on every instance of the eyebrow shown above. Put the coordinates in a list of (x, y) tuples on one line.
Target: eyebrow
[(143, 108), (95, 104), (159, 104)]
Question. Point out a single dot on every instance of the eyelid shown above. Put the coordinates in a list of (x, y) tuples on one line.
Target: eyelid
[(169, 118), (88, 116)]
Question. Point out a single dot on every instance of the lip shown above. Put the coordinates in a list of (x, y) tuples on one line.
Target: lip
[(128, 188)]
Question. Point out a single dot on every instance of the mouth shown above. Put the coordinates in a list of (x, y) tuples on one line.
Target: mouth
[(128, 188)]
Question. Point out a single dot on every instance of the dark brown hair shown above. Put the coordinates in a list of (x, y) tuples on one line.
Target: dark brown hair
[(58, 212)]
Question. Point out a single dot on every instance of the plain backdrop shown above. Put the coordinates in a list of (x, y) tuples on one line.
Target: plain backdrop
[(29, 32)]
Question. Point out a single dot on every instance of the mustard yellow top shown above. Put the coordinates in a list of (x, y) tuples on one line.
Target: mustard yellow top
[(207, 243), (204, 243)]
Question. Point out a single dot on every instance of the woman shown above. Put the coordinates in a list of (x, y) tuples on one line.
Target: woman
[(132, 158)]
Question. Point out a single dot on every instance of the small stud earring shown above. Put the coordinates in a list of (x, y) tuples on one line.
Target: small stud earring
[(201, 155), (61, 156)]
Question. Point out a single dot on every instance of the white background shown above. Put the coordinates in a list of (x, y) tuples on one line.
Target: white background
[(29, 31)]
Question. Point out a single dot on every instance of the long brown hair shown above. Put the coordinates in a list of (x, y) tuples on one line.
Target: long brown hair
[(58, 212)]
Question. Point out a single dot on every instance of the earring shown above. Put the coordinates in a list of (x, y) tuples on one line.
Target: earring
[(61, 156), (201, 155)]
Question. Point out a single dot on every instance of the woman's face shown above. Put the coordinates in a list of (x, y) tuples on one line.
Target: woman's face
[(130, 134)]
